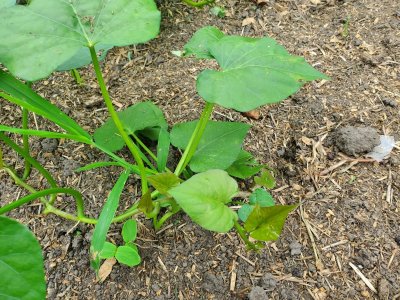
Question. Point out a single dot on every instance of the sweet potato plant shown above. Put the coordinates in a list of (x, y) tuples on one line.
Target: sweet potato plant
[(44, 36)]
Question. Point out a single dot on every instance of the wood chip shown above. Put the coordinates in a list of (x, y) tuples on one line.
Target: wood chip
[(248, 21), (106, 268)]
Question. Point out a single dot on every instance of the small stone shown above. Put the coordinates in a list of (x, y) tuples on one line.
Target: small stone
[(355, 140), (397, 240), (257, 293), (295, 248), (383, 289), (49, 145), (268, 282)]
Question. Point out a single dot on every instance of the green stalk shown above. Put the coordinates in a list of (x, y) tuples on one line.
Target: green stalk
[(25, 142), (195, 138), (117, 121), (198, 4), (243, 235), (75, 74)]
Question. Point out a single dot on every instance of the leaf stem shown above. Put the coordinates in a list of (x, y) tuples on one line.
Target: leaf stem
[(244, 237), (116, 119), (195, 138), (198, 4), (25, 142)]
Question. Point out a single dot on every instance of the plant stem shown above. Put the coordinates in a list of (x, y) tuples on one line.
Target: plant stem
[(243, 235), (25, 142), (117, 121), (195, 138), (198, 4), (75, 74)]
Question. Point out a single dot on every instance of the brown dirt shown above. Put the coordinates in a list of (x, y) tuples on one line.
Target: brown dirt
[(350, 215)]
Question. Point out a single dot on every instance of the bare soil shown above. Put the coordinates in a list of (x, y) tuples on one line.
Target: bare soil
[(349, 215)]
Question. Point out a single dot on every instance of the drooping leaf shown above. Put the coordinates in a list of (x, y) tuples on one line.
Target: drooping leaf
[(128, 256), (262, 198), (37, 38), (219, 146), (162, 149), (254, 71), (245, 211), (266, 223), (129, 231), (105, 218), (266, 179), (21, 263), (200, 42), (135, 118), (203, 198), (244, 166), (163, 182), (145, 203), (20, 94), (108, 251), (82, 57)]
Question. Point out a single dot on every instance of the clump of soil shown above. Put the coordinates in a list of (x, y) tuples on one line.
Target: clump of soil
[(355, 140)]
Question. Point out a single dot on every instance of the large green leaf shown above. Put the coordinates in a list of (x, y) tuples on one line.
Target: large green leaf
[(6, 3), (203, 198), (266, 223), (135, 118), (21, 263), (20, 94), (105, 219), (37, 38), (254, 71), (219, 146)]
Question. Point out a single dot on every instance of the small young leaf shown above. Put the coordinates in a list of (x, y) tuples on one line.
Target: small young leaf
[(162, 149), (128, 256), (218, 11), (145, 203), (244, 166), (266, 179), (106, 216), (262, 198), (203, 198), (200, 43), (245, 211), (108, 251), (135, 118), (219, 146), (129, 231), (163, 182), (21, 262), (266, 223)]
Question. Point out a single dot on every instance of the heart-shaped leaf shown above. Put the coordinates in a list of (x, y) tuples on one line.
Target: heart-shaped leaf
[(135, 118), (254, 71), (127, 255), (21, 262), (37, 38), (129, 231), (163, 182), (203, 198), (262, 198), (244, 166), (266, 223), (219, 146)]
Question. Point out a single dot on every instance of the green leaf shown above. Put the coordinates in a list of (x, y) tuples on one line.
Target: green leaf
[(20, 94), (218, 11), (129, 231), (262, 198), (128, 256), (105, 219), (244, 166), (145, 203), (219, 146), (52, 32), (135, 118), (108, 251), (7, 3), (200, 43), (98, 164), (254, 71), (266, 223), (203, 198), (266, 179), (162, 149), (245, 211), (163, 182), (21, 262), (82, 58)]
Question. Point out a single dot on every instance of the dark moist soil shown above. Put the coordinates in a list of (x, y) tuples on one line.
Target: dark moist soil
[(349, 212)]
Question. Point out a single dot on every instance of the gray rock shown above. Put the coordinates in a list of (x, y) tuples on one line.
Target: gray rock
[(356, 140), (295, 248), (268, 282), (257, 293), (49, 145)]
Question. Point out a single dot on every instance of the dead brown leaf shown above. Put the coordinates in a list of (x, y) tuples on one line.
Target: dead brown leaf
[(106, 268), (252, 114), (248, 21)]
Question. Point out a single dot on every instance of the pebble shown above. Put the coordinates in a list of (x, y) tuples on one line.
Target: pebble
[(268, 282), (257, 293), (295, 248)]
